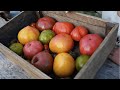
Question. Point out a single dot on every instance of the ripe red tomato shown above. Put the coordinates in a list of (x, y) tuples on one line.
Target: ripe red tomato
[(63, 27), (89, 43), (75, 35), (79, 32), (82, 30)]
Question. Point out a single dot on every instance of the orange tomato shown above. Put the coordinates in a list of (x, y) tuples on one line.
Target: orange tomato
[(61, 43), (63, 27), (75, 35), (78, 32), (82, 30), (28, 34), (64, 65)]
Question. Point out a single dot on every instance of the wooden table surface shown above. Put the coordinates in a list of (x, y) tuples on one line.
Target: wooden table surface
[(109, 70)]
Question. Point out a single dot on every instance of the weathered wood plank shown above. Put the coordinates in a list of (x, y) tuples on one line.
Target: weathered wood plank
[(26, 66), (81, 17), (100, 55), (92, 28), (9, 70), (109, 70)]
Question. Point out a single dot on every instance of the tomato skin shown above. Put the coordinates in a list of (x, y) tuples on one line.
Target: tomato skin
[(28, 34), (64, 65), (32, 48), (89, 43), (82, 30), (78, 32), (43, 61), (75, 35), (61, 43), (63, 27), (45, 23)]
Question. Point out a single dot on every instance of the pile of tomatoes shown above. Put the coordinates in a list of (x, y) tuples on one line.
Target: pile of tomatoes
[(62, 43)]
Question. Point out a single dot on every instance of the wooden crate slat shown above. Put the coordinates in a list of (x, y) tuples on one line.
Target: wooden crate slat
[(82, 17)]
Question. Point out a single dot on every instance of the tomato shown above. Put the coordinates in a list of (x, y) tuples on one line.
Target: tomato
[(46, 36), (78, 32), (63, 27), (82, 30), (45, 23), (32, 48), (81, 61), (64, 65), (28, 34), (89, 43), (75, 35), (43, 61), (61, 43)]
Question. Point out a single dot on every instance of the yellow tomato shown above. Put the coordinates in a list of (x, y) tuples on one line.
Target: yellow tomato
[(64, 65), (28, 34)]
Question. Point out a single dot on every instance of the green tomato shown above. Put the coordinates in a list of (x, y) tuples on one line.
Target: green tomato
[(81, 61)]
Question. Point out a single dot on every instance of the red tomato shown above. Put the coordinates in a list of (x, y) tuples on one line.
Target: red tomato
[(75, 35), (89, 43), (79, 32), (82, 30), (63, 27)]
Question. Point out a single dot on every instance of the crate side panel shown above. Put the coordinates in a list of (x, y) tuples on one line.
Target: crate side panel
[(81, 17)]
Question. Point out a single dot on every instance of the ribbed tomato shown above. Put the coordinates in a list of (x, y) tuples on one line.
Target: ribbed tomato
[(63, 27), (78, 32)]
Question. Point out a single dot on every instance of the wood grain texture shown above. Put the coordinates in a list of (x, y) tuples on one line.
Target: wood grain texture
[(81, 17), (9, 70)]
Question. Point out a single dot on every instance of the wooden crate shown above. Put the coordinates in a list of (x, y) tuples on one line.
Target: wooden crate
[(95, 25)]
